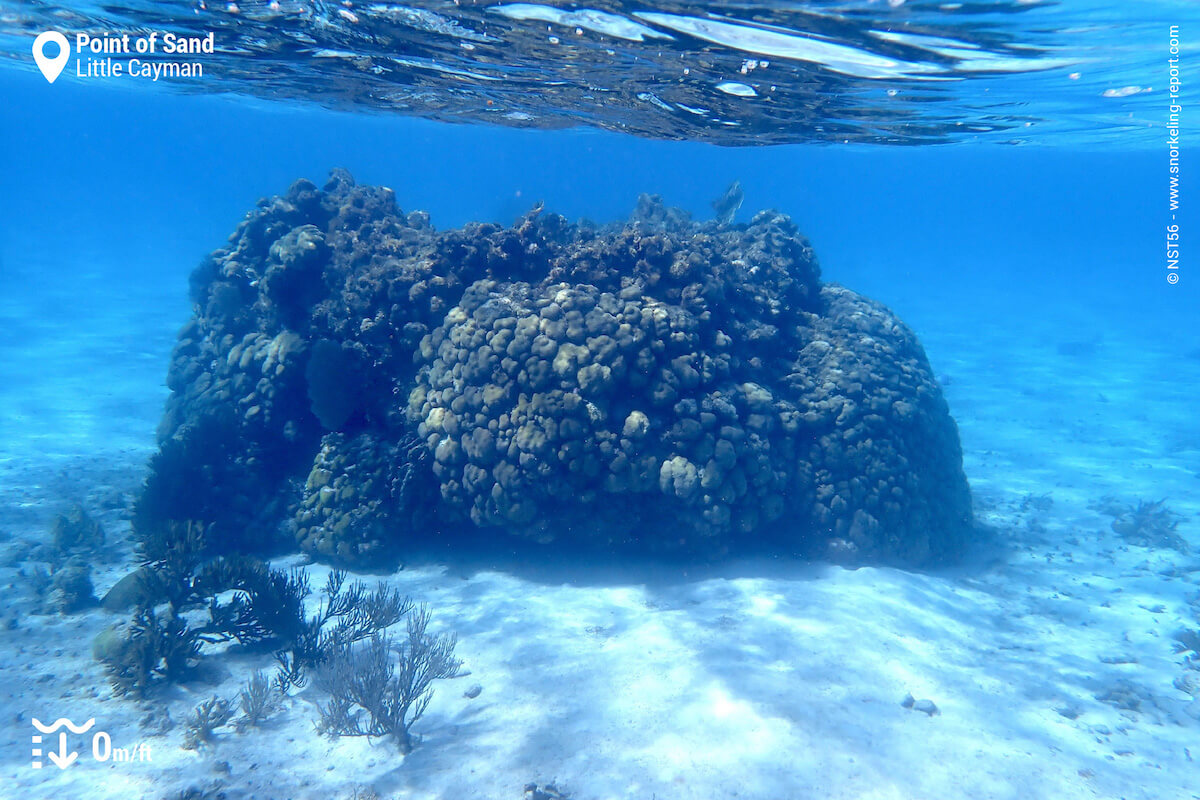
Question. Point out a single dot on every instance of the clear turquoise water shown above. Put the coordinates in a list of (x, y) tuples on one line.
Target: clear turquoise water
[(1039, 228)]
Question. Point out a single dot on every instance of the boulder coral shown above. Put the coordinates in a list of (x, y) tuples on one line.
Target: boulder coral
[(357, 380)]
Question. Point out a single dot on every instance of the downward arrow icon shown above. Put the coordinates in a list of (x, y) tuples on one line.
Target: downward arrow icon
[(62, 759)]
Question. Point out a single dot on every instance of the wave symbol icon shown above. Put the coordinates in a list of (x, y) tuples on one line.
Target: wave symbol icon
[(63, 722)]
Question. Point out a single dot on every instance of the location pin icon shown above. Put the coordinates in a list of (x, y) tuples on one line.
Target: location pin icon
[(51, 67)]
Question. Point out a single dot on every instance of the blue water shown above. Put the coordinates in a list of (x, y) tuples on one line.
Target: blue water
[(114, 196), (899, 72), (1034, 274), (153, 181)]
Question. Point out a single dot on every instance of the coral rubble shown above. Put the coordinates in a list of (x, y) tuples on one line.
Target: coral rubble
[(356, 379)]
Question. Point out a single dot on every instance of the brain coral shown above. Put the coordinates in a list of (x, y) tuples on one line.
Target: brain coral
[(356, 380)]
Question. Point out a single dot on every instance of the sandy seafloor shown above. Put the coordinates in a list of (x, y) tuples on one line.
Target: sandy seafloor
[(1049, 654)]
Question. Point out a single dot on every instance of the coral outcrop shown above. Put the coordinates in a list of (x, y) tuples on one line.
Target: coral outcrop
[(357, 380)]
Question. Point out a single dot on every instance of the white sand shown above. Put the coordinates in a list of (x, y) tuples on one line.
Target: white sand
[(764, 679)]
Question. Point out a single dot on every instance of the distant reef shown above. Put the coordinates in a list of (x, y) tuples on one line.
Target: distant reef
[(355, 382)]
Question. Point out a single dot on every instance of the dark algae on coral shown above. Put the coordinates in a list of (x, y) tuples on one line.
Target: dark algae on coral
[(356, 379), (655, 504)]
